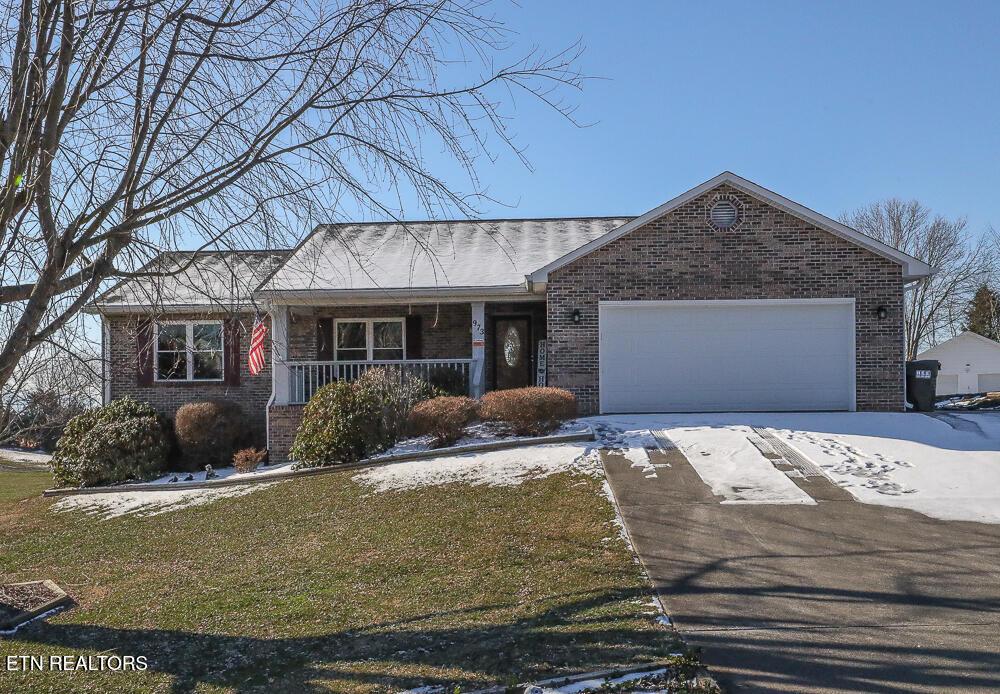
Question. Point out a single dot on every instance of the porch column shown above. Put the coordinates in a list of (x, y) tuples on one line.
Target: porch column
[(477, 380), (279, 354)]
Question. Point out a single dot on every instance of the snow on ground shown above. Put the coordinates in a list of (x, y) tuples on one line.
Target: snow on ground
[(630, 442), (733, 467), (220, 474), (598, 683), (722, 455), (946, 466), (974, 401), (114, 504), (22, 455), (495, 468)]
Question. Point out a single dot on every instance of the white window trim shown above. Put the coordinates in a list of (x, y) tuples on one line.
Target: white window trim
[(189, 349), (369, 335)]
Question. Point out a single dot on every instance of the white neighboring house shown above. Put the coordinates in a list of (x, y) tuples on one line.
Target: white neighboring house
[(970, 363)]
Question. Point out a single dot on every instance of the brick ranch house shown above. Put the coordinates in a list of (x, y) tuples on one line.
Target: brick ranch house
[(728, 297)]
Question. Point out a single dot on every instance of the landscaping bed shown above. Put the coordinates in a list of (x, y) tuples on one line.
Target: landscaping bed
[(477, 434), (22, 602)]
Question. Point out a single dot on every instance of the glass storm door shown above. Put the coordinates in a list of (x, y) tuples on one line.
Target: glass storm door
[(512, 350)]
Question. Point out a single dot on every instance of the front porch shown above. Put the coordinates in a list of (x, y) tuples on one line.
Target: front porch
[(461, 347), (306, 377)]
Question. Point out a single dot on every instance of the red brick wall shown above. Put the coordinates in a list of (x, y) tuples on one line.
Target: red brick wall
[(252, 394), (770, 255), (284, 423), (447, 328)]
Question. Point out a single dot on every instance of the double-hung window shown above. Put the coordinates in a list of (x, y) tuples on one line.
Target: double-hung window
[(369, 339), (189, 351)]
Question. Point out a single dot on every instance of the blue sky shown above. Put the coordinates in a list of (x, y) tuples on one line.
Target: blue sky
[(832, 104)]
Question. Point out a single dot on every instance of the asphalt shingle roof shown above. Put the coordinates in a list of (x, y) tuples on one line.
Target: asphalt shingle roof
[(412, 255), (224, 279)]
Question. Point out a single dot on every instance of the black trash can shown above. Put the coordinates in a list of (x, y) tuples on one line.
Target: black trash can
[(921, 383)]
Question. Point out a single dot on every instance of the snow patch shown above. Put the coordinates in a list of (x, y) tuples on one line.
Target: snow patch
[(632, 443), (727, 462), (36, 618), (618, 521), (596, 683), (872, 470), (115, 504), (505, 468), (180, 478)]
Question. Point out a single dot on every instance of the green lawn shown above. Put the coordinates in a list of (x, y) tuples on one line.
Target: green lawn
[(320, 584)]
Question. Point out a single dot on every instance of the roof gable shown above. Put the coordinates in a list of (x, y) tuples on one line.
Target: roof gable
[(965, 336), (912, 268)]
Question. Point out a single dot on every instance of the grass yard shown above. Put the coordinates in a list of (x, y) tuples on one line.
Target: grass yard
[(321, 584)]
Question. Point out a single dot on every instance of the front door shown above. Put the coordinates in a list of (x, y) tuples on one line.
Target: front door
[(512, 352)]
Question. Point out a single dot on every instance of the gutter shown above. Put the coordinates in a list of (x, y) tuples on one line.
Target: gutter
[(414, 295)]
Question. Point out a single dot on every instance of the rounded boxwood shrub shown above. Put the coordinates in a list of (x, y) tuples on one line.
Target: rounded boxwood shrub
[(338, 426), (528, 411), (124, 440), (210, 432), (444, 418)]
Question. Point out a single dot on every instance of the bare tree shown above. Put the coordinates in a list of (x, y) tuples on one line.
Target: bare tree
[(135, 126), (53, 383), (935, 305)]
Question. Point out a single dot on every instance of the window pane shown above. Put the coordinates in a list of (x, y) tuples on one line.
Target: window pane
[(388, 354), (352, 336), (388, 334), (207, 365), (352, 354), (171, 366), (207, 336), (172, 337)]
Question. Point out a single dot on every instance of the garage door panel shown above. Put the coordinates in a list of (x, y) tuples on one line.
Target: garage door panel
[(660, 356), (989, 382)]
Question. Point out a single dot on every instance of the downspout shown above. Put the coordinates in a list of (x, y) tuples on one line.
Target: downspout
[(105, 361), (908, 288)]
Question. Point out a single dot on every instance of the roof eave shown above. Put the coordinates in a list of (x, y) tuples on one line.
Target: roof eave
[(109, 309), (314, 297)]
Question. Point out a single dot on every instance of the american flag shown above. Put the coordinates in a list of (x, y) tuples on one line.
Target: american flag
[(256, 357)]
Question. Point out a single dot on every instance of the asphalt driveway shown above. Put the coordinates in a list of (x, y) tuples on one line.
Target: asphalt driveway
[(837, 596)]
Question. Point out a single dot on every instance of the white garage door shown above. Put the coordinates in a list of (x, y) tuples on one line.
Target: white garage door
[(947, 384), (989, 382), (711, 356)]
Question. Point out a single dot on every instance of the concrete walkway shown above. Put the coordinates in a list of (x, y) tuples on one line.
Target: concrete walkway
[(836, 597)]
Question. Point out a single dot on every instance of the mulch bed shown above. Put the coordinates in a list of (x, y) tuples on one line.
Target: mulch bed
[(20, 602)]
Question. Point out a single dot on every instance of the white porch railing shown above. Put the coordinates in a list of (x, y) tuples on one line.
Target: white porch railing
[(306, 377)]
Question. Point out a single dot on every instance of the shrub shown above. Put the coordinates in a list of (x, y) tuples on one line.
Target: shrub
[(444, 418), (394, 398), (447, 381), (249, 459), (528, 411), (209, 433), (124, 440), (339, 425)]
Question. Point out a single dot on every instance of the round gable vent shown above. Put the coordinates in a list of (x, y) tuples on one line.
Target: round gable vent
[(723, 215)]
